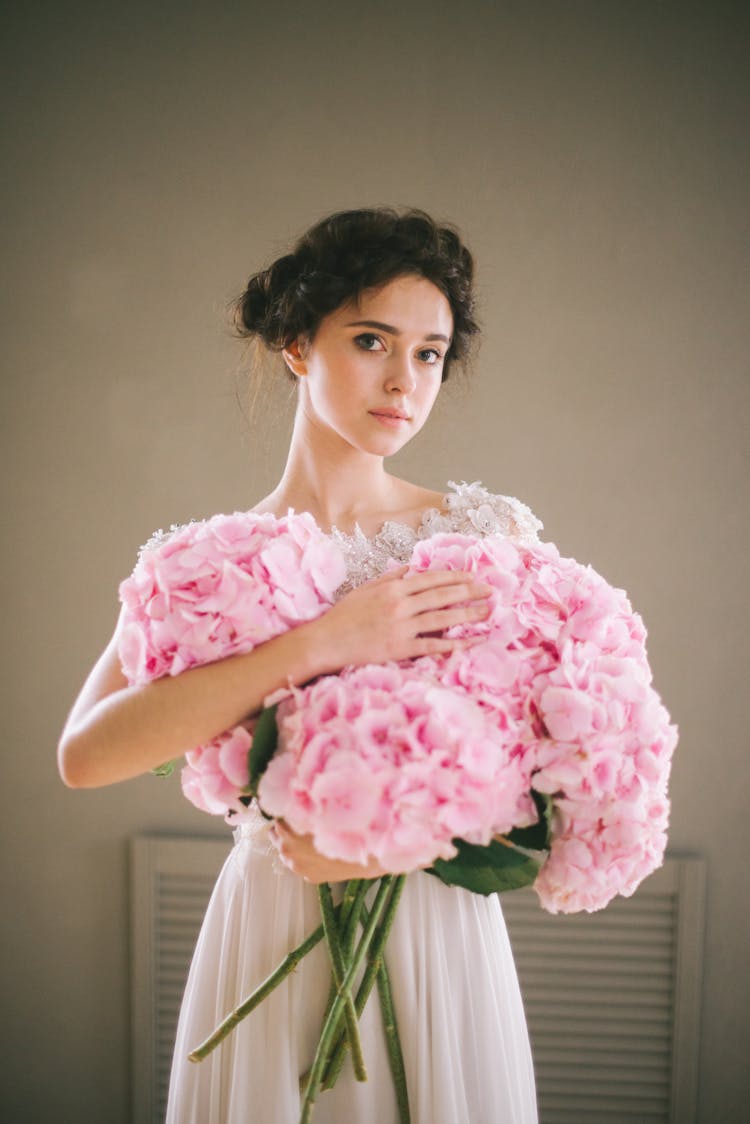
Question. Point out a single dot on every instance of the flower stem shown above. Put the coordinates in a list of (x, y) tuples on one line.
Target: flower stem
[(509, 843), (338, 966), (347, 900), (375, 968), (350, 923), (393, 1041), (280, 973), (350, 910), (334, 1015)]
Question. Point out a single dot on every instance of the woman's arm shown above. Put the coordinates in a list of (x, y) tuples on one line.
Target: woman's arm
[(115, 731)]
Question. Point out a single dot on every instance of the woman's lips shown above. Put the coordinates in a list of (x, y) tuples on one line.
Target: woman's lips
[(389, 419)]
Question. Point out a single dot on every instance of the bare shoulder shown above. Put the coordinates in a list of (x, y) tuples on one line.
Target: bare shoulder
[(412, 500), (268, 505)]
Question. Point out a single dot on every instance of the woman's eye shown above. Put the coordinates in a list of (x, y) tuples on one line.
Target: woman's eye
[(430, 355), (367, 341)]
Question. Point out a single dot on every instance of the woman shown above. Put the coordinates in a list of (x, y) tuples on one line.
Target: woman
[(369, 311)]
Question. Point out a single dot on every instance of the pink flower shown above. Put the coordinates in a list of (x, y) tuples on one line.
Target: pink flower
[(222, 586), (568, 714), (347, 798), (564, 672), (216, 773), (396, 777), (397, 761)]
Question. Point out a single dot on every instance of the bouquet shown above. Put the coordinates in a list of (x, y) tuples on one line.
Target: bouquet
[(539, 756)]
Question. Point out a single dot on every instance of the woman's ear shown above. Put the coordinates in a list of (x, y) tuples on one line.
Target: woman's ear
[(294, 357)]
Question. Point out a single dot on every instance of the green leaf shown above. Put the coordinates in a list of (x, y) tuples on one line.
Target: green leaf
[(265, 739), (487, 870), (166, 769), (536, 837)]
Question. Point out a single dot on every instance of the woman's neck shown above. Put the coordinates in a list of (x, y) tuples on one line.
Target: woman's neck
[(337, 495), (340, 485)]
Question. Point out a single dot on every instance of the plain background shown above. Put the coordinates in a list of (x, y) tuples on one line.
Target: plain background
[(594, 155)]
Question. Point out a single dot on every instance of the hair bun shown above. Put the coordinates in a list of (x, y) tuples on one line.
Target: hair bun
[(259, 310)]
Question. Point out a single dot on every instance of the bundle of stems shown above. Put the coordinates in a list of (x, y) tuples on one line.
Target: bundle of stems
[(355, 934)]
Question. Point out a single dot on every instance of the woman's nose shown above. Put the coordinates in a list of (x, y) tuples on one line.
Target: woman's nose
[(400, 375)]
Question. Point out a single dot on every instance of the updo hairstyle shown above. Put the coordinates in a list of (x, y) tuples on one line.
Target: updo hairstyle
[(347, 253)]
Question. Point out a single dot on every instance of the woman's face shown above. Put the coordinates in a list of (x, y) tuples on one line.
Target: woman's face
[(373, 359)]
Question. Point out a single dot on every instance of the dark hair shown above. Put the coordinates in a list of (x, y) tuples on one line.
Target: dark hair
[(343, 255)]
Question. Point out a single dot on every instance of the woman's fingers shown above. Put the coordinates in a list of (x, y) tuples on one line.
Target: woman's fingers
[(441, 597), (435, 588), (429, 579), (432, 589), (446, 618), (435, 601), (441, 646), (390, 617)]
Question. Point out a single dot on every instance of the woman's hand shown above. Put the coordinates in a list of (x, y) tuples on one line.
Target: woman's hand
[(394, 617), (298, 853)]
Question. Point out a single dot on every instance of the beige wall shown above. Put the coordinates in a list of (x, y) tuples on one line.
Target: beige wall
[(595, 155)]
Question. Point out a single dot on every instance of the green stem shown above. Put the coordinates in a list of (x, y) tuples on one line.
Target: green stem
[(393, 1041), (230, 1022), (339, 966), (347, 900), (351, 909), (334, 1015), (376, 966), (349, 926)]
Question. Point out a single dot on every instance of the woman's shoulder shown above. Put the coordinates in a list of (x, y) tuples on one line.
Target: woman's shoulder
[(471, 508)]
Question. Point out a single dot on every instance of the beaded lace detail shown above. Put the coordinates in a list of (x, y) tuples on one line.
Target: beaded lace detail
[(468, 509)]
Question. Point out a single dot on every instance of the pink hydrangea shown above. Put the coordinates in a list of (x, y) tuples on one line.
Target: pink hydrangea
[(222, 586), (397, 761), (565, 667), (216, 774), (380, 761)]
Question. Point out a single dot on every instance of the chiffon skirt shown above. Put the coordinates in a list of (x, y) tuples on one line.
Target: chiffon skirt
[(458, 1007)]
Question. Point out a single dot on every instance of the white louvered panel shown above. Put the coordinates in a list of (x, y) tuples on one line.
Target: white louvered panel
[(180, 903), (600, 992), (171, 883)]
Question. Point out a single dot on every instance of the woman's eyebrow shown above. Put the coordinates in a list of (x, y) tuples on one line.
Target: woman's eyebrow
[(390, 328)]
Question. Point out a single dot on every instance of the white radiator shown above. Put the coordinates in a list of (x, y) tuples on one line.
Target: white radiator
[(171, 882), (613, 1001), (612, 998)]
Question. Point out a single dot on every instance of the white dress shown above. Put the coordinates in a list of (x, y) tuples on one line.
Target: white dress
[(458, 1005)]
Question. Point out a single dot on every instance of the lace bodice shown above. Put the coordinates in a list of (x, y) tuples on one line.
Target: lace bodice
[(468, 509)]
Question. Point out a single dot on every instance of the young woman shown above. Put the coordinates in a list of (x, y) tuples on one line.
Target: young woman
[(369, 311)]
